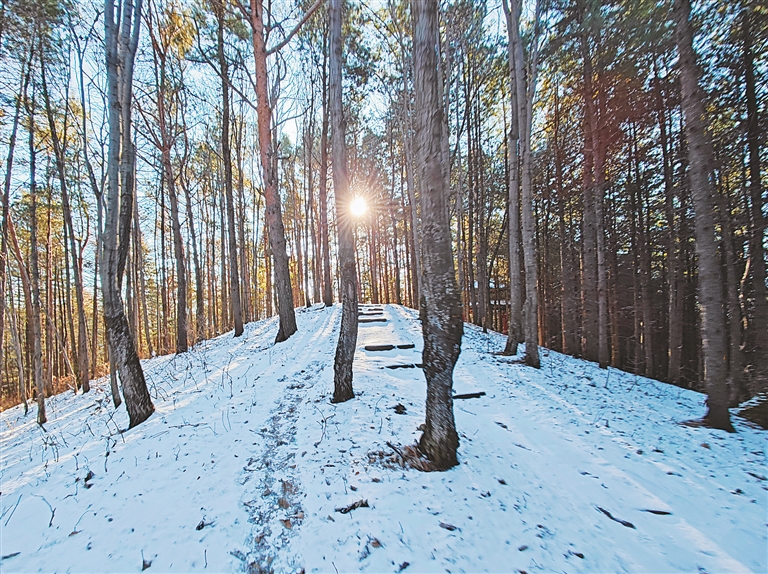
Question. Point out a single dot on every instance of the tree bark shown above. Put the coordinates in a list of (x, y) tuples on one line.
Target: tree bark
[(345, 348), (590, 316), (120, 54), (759, 325), (234, 271), (515, 323), (271, 194), (525, 94), (711, 304), (441, 312)]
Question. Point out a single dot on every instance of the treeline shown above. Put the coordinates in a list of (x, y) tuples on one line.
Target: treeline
[(577, 206)]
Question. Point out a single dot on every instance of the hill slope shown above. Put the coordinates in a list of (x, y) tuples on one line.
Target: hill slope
[(246, 461)]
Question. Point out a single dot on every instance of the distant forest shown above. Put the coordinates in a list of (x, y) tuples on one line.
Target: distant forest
[(169, 176)]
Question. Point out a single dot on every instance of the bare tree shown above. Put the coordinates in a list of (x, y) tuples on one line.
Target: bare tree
[(166, 99), (34, 266), (441, 310), (345, 349), (121, 38), (82, 338), (274, 213), (6, 207), (234, 271), (323, 189)]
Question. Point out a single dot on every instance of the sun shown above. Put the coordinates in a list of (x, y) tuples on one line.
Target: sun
[(358, 207)]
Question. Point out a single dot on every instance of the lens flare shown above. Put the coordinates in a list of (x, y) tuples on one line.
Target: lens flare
[(358, 207)]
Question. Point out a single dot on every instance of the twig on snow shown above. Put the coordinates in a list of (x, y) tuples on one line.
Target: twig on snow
[(53, 510), (14, 510)]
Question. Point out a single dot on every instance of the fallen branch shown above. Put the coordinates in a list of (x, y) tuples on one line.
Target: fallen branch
[(14, 509), (470, 395), (379, 347), (619, 520), (397, 450), (351, 507)]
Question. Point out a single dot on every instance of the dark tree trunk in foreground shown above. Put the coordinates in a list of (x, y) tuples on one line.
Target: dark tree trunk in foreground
[(441, 312), (711, 303), (120, 54), (345, 349), (274, 214)]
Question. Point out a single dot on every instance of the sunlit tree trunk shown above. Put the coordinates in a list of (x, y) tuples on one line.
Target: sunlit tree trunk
[(271, 195)]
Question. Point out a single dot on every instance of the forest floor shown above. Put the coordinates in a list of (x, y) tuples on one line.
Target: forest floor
[(247, 466)]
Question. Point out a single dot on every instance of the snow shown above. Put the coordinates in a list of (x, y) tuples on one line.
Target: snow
[(246, 461)]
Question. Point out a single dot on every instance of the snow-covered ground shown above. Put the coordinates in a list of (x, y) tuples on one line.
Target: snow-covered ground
[(246, 462)]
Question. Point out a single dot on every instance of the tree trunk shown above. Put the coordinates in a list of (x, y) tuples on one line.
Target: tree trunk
[(567, 311), (120, 54), (711, 304), (141, 280), (525, 94), (345, 349), (441, 312), (323, 183), (674, 278), (16, 339), (178, 249), (515, 323), (234, 271), (271, 194), (413, 212), (598, 145), (36, 343), (590, 317), (26, 285), (6, 214), (759, 325), (82, 338)]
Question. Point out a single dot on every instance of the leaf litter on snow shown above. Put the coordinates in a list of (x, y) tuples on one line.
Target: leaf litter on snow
[(555, 464)]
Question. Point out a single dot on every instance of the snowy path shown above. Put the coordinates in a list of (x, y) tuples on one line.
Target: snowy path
[(246, 461)]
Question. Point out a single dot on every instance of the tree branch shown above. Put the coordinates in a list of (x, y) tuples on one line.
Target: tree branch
[(292, 33)]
